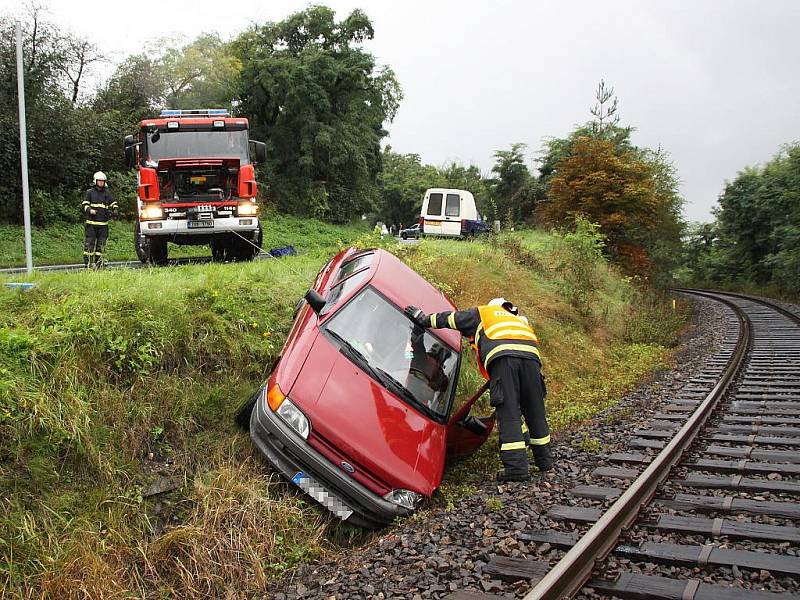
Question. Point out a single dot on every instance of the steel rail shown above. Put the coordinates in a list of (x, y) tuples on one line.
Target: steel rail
[(574, 569)]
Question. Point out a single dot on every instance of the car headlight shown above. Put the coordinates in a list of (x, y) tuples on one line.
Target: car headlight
[(247, 209), (294, 418), (405, 498)]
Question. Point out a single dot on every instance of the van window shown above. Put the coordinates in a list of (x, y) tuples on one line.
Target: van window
[(435, 204), (452, 206)]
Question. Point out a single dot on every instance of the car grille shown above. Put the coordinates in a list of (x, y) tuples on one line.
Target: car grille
[(360, 474)]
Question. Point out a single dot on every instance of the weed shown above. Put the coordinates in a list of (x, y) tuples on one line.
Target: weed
[(493, 504)]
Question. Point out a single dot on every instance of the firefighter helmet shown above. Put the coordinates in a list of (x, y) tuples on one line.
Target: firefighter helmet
[(99, 176), (509, 306)]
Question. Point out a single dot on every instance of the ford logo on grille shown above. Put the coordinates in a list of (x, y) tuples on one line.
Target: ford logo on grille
[(348, 467)]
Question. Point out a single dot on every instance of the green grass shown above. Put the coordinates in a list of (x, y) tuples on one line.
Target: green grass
[(62, 243), (108, 378)]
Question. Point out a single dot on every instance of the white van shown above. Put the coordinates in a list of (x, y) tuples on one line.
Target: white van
[(450, 212)]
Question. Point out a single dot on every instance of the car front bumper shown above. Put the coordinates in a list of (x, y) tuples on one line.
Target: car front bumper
[(181, 226), (291, 455)]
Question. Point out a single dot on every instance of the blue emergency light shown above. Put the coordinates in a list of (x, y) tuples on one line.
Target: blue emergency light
[(195, 112)]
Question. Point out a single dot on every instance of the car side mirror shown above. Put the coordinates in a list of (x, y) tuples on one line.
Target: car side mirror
[(130, 155), (315, 301), (129, 140), (261, 152)]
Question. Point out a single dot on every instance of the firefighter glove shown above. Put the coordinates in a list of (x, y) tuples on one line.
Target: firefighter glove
[(416, 315)]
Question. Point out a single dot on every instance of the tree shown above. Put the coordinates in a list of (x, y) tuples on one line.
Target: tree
[(319, 101), (203, 73), (514, 191), (758, 225), (631, 192)]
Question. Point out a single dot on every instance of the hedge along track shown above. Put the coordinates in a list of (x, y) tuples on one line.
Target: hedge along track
[(750, 389)]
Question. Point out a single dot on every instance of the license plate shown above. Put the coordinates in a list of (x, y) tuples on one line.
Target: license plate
[(200, 224), (314, 489), (436, 223)]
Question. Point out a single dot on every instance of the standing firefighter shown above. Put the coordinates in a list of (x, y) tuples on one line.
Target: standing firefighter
[(98, 207), (508, 356)]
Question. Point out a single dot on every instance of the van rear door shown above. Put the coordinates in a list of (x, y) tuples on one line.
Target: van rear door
[(451, 225), (432, 214)]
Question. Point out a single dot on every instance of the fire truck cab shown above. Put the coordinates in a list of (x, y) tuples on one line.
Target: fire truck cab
[(196, 184)]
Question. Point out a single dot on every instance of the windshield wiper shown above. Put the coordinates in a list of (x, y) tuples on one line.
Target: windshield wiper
[(398, 388), (353, 353)]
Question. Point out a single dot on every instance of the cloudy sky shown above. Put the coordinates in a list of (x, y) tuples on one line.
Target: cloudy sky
[(716, 83)]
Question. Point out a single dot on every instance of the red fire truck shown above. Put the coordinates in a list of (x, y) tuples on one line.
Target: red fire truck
[(196, 184)]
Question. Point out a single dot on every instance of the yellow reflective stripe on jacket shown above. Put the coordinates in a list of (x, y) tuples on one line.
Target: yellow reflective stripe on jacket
[(477, 335), (96, 222), (451, 321), (516, 347), (513, 446), (99, 205), (433, 321), (512, 321), (513, 333), (540, 441)]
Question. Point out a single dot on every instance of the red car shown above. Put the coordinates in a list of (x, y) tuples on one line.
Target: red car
[(357, 411)]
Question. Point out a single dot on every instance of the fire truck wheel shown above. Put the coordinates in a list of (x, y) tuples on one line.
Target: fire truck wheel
[(150, 250)]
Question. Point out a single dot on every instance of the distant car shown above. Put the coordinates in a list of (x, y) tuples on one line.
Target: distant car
[(358, 411), (410, 232)]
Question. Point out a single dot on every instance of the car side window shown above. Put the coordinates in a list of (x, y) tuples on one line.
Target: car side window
[(435, 204), (350, 276), (353, 265), (452, 205)]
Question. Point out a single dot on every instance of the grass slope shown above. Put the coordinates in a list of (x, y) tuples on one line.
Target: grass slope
[(111, 380), (62, 243)]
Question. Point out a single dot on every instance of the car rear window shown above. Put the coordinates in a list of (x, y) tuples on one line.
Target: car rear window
[(417, 360), (435, 204), (452, 206)]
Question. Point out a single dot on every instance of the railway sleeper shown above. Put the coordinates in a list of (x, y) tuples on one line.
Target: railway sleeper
[(678, 554), (731, 504), (743, 484), (744, 466)]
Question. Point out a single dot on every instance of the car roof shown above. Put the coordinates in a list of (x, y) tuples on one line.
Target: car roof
[(403, 286)]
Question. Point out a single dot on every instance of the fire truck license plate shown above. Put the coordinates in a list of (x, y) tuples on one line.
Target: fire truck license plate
[(199, 224)]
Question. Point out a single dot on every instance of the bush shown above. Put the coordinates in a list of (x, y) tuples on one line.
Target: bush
[(578, 260)]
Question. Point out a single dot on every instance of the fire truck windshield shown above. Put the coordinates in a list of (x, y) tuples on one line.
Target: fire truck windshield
[(204, 144)]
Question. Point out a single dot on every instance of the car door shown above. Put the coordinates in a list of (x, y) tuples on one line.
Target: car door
[(451, 225), (465, 432)]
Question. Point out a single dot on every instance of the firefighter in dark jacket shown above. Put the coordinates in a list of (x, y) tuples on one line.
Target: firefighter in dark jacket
[(508, 356), (98, 208)]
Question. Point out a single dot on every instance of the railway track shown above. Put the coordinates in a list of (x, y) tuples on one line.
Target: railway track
[(121, 264), (704, 503)]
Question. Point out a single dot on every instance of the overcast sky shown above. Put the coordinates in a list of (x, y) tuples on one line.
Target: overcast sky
[(716, 83)]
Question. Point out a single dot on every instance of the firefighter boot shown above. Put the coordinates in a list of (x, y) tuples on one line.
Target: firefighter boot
[(543, 457), (86, 257), (503, 476)]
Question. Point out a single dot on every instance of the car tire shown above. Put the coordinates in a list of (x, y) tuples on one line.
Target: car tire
[(404, 236), (242, 415)]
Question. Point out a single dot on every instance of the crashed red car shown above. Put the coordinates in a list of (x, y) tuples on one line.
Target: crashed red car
[(358, 411)]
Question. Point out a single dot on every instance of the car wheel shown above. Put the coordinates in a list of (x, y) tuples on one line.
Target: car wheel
[(403, 236)]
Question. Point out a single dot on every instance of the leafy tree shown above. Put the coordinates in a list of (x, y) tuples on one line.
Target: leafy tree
[(319, 101), (630, 192), (758, 227), (203, 73)]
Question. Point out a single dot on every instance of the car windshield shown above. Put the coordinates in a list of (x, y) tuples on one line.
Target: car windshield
[(409, 361), (205, 144)]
